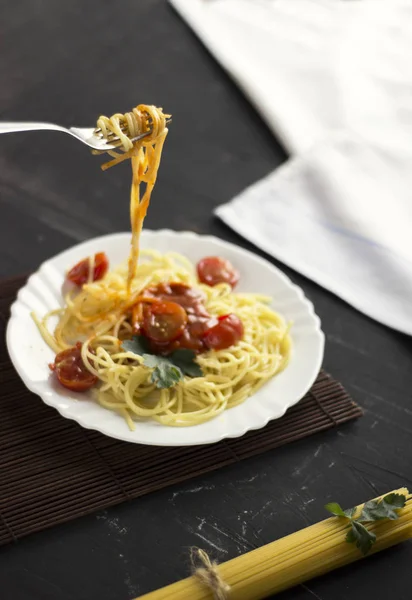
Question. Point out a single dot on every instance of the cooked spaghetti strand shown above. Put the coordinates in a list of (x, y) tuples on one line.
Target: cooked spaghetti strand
[(98, 315), (102, 313), (145, 155)]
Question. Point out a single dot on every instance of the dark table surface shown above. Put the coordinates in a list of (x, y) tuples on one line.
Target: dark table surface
[(67, 63)]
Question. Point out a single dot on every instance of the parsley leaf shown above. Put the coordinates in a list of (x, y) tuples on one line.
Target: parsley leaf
[(138, 345), (375, 510), (349, 512), (165, 374), (167, 370), (335, 509), (185, 360), (361, 537), (395, 500)]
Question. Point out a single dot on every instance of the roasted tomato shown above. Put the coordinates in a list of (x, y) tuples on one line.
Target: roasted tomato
[(70, 370), (79, 274), (227, 332), (164, 321), (213, 270)]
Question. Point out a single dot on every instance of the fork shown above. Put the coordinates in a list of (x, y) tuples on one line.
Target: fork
[(88, 135)]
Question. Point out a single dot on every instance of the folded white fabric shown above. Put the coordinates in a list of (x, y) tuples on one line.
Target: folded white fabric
[(333, 79)]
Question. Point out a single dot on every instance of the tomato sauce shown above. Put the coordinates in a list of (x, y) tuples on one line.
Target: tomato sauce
[(198, 319)]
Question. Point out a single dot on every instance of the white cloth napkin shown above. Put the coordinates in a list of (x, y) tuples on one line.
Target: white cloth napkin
[(333, 79)]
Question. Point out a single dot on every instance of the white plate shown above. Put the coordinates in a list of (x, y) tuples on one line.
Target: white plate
[(42, 292)]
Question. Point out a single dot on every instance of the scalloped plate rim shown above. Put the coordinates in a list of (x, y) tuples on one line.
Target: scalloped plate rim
[(49, 397)]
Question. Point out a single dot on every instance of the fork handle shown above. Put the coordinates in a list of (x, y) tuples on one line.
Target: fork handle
[(14, 127)]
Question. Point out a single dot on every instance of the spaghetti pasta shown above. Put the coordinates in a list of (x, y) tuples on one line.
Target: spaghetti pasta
[(239, 340), (291, 560), (145, 155), (98, 314)]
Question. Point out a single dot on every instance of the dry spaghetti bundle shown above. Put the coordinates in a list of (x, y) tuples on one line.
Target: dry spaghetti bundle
[(287, 562)]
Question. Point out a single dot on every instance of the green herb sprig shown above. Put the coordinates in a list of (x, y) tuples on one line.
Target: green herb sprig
[(167, 370), (374, 510)]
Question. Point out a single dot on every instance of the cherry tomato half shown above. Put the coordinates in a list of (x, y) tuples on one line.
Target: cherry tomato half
[(213, 270), (70, 370), (79, 274), (164, 321), (227, 332)]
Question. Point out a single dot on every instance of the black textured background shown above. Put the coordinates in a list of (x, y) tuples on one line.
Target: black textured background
[(66, 63)]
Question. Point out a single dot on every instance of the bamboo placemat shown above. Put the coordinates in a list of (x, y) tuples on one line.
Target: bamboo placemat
[(52, 470)]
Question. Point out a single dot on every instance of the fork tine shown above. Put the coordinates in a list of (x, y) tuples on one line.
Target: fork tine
[(149, 120), (113, 138), (114, 141)]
